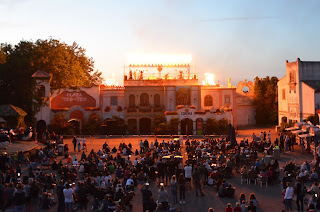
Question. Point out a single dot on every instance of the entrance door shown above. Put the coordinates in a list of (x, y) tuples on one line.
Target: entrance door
[(186, 127), (75, 126)]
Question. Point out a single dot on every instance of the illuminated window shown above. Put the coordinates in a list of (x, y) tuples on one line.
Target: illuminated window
[(114, 100), (227, 99), (283, 94), (208, 100)]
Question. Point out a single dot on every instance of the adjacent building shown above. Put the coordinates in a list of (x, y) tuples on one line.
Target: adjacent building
[(299, 91)]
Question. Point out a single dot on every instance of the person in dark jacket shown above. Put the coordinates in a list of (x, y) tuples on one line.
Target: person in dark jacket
[(19, 199)]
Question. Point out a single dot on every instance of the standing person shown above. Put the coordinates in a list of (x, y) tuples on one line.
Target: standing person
[(60, 195), (188, 174), (84, 144), (79, 143), (289, 194), (34, 194), (83, 197), (2, 196), (141, 146), (74, 141), (27, 189), (197, 182), (163, 197), (19, 199), (146, 196), (182, 188), (174, 189), (68, 197), (300, 195)]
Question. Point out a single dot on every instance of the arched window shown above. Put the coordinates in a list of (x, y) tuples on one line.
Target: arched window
[(144, 99), (156, 100), (41, 91), (208, 100), (132, 101)]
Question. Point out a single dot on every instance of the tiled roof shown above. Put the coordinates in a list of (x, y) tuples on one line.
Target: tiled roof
[(10, 110), (41, 74)]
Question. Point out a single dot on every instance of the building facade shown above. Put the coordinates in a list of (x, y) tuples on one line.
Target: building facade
[(299, 91), (150, 91)]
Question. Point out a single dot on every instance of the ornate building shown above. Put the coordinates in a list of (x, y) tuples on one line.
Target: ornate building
[(149, 91)]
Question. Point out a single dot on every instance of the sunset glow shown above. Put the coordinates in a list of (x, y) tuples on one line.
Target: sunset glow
[(164, 59), (111, 81)]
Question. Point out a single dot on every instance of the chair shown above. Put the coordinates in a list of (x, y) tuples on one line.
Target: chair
[(264, 180), (244, 177), (252, 177)]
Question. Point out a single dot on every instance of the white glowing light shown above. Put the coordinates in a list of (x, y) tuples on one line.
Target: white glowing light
[(111, 81), (209, 79), (164, 59)]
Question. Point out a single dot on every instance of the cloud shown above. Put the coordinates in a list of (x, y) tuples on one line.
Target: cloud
[(238, 19)]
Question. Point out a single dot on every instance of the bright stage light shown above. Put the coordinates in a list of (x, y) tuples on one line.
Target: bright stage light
[(208, 79)]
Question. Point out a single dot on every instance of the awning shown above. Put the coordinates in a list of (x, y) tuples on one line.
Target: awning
[(298, 131), (305, 135), (291, 128)]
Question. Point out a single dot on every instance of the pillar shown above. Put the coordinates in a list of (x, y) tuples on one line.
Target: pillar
[(194, 128)]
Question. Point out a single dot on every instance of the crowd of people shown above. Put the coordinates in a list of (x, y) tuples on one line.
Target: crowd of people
[(108, 179)]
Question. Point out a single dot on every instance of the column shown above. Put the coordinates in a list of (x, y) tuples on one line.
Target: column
[(194, 128), (138, 127)]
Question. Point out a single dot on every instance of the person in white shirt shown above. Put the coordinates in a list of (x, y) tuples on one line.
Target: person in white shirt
[(84, 144), (188, 175), (68, 197), (289, 193)]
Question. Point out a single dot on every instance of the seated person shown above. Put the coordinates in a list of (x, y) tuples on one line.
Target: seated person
[(230, 191), (253, 199), (314, 176), (252, 207)]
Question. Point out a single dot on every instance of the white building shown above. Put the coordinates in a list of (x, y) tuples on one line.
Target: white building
[(299, 91)]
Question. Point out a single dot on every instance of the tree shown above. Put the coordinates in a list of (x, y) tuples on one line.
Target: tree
[(68, 65), (314, 119), (60, 124), (223, 126), (93, 124), (160, 125), (265, 100), (211, 126), (173, 125)]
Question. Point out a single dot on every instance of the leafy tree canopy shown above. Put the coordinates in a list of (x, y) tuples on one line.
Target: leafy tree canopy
[(265, 100), (68, 65)]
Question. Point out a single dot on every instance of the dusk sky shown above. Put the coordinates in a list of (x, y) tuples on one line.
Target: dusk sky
[(237, 39)]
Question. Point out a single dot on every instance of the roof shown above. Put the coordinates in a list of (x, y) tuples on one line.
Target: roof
[(41, 74), (315, 84), (10, 110)]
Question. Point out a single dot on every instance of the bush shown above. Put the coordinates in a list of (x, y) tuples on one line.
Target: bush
[(314, 119), (223, 126), (211, 126), (60, 125), (92, 127), (284, 126)]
